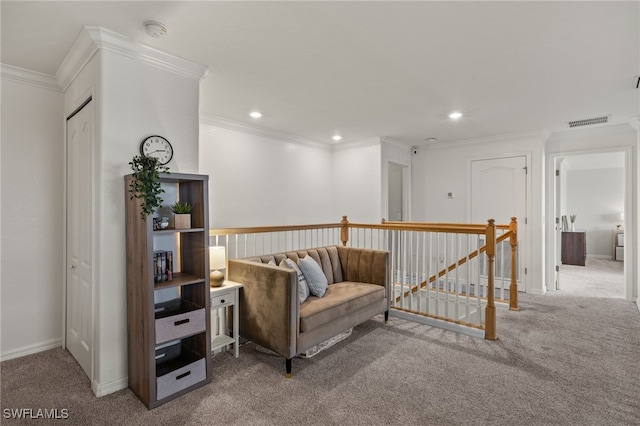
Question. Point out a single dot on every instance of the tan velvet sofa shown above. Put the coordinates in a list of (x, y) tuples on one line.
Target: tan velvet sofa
[(272, 316)]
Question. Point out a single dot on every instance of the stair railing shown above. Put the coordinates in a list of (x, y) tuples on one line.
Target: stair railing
[(461, 291)]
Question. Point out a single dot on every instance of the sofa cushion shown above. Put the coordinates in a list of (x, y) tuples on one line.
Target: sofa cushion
[(339, 300), (303, 288), (316, 280)]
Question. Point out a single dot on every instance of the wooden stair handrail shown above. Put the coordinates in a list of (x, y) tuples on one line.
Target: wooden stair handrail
[(453, 266)]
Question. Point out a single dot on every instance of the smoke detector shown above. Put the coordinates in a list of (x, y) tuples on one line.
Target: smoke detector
[(154, 29)]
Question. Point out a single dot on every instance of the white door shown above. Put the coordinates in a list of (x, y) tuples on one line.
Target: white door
[(499, 192), (79, 312)]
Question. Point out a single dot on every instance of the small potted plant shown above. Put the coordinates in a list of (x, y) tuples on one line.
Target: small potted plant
[(182, 211), (145, 184)]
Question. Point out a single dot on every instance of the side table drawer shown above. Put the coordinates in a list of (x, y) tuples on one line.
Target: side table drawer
[(224, 299)]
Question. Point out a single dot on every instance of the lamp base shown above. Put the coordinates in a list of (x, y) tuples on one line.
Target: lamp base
[(216, 278)]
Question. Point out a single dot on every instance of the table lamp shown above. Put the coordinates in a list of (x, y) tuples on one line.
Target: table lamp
[(217, 261)]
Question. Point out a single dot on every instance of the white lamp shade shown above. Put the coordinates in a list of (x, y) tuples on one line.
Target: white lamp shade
[(217, 258)]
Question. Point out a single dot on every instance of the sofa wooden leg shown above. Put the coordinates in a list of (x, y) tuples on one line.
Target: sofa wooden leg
[(386, 317), (288, 366)]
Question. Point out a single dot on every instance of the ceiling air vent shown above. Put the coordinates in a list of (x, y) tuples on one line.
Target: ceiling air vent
[(589, 121)]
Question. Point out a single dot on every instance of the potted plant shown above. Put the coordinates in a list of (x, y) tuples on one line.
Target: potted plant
[(182, 211), (145, 184)]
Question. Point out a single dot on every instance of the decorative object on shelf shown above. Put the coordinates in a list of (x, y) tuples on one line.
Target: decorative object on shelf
[(217, 261), (145, 184), (162, 266), (182, 211), (160, 223), (573, 220), (157, 147)]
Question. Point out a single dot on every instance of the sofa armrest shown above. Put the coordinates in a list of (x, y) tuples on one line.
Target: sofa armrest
[(269, 305)]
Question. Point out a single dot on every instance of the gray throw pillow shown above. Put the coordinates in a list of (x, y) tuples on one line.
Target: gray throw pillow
[(316, 280), (303, 289)]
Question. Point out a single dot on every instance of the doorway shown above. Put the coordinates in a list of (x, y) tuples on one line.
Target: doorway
[(590, 188), (396, 192), (79, 241)]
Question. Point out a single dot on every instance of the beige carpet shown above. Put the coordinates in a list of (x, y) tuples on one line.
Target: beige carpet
[(598, 278), (560, 360)]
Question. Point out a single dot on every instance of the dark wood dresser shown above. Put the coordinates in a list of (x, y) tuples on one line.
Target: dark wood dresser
[(574, 248)]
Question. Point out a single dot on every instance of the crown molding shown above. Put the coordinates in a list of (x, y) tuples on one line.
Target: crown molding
[(497, 138), (92, 39), (32, 78), (361, 143), (239, 126), (394, 142)]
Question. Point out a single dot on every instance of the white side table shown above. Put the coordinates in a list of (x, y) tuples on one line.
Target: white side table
[(223, 297)]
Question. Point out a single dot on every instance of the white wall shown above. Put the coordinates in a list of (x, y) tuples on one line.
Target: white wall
[(261, 181), (443, 168), (133, 99), (32, 181), (357, 182), (138, 100), (596, 197)]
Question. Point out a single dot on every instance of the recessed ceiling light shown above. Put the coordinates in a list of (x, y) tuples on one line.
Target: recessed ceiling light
[(430, 140), (455, 115), (255, 114), (154, 29), (337, 138)]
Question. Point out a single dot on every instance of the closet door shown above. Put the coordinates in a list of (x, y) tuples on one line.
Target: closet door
[(79, 256)]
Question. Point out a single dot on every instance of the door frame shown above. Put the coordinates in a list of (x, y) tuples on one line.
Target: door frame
[(526, 250), (84, 99), (550, 200)]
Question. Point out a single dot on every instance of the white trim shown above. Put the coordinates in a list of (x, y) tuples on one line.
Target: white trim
[(445, 325), (91, 39), (239, 126), (488, 139), (31, 349), (599, 256), (32, 78), (362, 143), (100, 390)]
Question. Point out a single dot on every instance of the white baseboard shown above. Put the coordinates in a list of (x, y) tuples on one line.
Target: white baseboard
[(599, 256), (446, 325), (109, 387), (31, 349)]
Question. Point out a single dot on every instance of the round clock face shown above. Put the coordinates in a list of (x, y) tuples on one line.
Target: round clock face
[(158, 147)]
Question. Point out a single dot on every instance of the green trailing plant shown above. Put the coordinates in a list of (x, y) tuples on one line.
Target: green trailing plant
[(145, 184), (180, 207)]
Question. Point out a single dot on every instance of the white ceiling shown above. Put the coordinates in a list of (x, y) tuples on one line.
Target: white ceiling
[(372, 69)]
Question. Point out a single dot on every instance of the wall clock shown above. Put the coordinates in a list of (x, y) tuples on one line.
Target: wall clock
[(157, 147)]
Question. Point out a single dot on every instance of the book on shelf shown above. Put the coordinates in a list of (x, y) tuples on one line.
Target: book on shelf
[(162, 266)]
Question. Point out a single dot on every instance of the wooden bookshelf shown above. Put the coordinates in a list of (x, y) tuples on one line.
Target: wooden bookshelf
[(169, 355)]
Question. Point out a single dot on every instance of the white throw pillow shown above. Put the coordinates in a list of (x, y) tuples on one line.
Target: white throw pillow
[(316, 280), (303, 289)]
